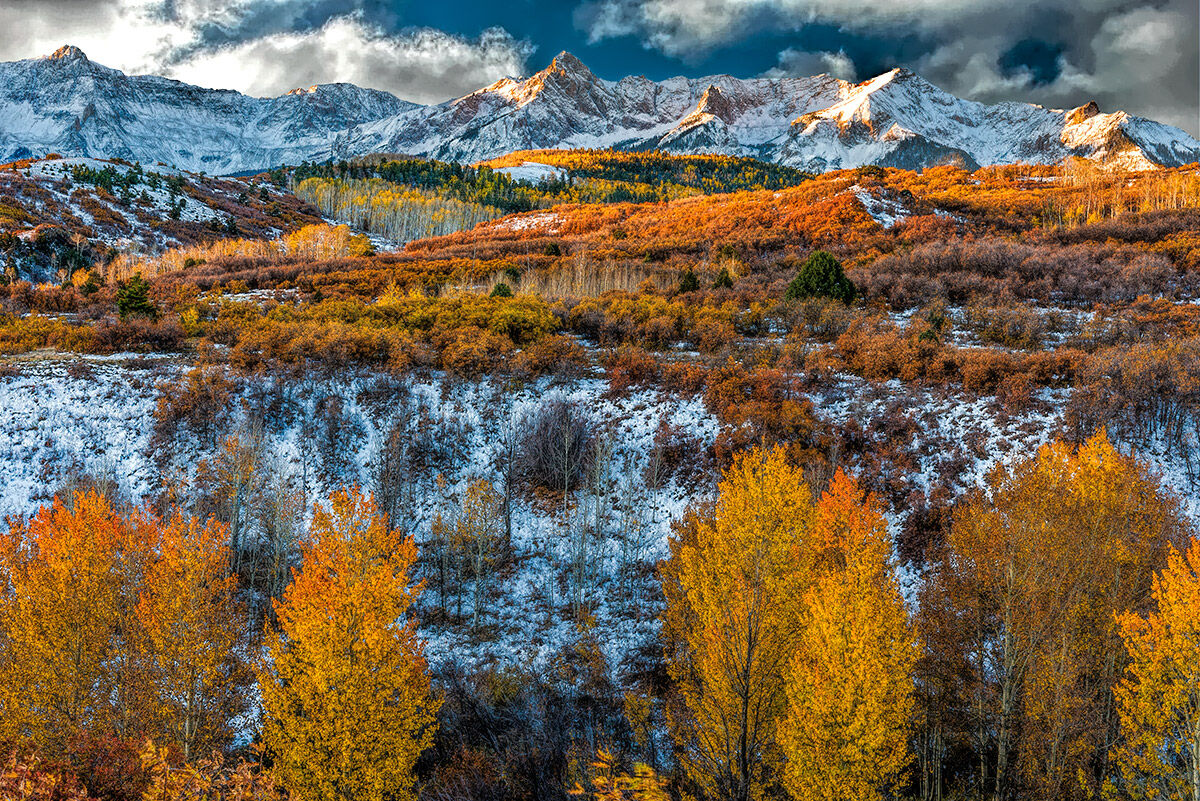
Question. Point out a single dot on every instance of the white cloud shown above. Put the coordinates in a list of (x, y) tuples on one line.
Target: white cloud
[(424, 65), (261, 47), (803, 62), (123, 34)]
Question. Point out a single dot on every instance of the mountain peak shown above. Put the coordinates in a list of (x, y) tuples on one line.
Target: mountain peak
[(68, 53), (714, 102), (895, 119), (566, 63), (1084, 112), (896, 75)]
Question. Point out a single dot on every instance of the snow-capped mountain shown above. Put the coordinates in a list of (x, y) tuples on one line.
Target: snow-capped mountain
[(67, 104), (565, 105), (900, 120)]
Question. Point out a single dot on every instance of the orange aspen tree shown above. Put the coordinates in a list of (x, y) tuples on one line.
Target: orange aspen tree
[(850, 685), (61, 582), (345, 689), (734, 585), (1159, 699)]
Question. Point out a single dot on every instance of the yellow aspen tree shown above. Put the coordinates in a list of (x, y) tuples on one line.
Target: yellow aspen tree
[(60, 604), (189, 638), (345, 689), (734, 585), (1025, 600), (1159, 699), (850, 685)]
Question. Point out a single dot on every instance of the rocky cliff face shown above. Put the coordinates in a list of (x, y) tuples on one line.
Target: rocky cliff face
[(67, 104)]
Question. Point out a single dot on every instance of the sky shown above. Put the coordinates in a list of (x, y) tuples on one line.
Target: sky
[(1141, 56)]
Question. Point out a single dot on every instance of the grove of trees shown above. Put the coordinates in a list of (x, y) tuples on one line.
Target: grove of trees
[(1049, 652)]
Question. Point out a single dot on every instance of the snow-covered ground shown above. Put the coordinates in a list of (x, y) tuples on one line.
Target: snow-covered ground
[(534, 172), (885, 211), (160, 198), (546, 221), (55, 177), (72, 415), (59, 168), (60, 417)]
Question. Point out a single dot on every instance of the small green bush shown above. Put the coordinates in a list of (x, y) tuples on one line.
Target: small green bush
[(821, 276), (133, 299)]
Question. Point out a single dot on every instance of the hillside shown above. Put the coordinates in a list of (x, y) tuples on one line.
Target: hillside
[(61, 215), (553, 387)]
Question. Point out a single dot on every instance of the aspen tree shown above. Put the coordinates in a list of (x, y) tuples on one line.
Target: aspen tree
[(345, 688)]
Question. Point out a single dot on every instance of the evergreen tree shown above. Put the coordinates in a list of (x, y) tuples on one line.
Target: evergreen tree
[(688, 282), (133, 299), (821, 276)]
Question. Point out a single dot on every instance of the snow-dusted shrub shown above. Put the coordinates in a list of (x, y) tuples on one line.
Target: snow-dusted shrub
[(558, 445)]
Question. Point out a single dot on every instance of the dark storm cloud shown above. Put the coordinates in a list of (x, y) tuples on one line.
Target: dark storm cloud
[(1137, 56)]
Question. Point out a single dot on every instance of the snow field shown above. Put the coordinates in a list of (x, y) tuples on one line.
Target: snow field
[(65, 415)]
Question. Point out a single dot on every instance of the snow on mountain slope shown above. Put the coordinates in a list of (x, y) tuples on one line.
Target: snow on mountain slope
[(534, 172), (898, 119), (566, 106), (70, 105)]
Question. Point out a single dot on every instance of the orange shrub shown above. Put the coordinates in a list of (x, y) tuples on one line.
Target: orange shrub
[(469, 353)]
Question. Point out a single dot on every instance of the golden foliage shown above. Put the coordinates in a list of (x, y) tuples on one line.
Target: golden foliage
[(210, 779), (345, 691), (65, 593), (117, 623), (1159, 698), (1035, 571), (850, 686), (608, 783), (28, 778), (734, 586), (309, 243), (788, 640), (188, 632)]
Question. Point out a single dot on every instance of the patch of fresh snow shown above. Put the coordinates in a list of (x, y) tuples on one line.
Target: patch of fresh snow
[(534, 172), (546, 221)]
